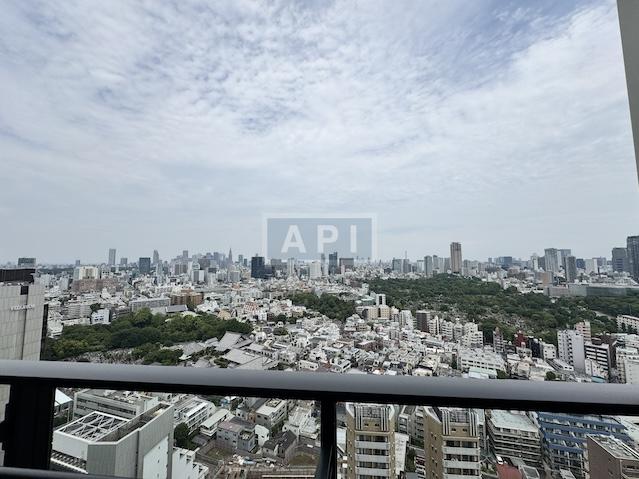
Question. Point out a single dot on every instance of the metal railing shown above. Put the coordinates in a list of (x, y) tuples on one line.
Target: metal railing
[(28, 427)]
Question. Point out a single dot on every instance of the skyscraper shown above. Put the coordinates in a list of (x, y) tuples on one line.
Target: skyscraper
[(229, 260), (551, 257), (428, 266), (455, 257), (332, 263), (632, 244), (290, 267), (112, 257), (570, 268), (144, 265), (619, 260), (185, 254), (257, 267), (156, 256), (370, 440), (26, 262)]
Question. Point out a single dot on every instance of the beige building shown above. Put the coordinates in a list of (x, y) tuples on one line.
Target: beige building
[(451, 443), (370, 441), (610, 458)]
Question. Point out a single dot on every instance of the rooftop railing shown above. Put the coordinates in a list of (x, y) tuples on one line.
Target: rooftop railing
[(27, 430)]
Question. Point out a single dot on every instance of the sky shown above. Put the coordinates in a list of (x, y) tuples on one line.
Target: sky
[(178, 125)]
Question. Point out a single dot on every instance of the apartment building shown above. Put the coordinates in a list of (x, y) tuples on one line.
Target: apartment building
[(514, 435), (370, 441), (451, 443), (610, 458)]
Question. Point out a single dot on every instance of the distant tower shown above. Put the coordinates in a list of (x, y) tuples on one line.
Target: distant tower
[(156, 256), (551, 258), (455, 257), (230, 259), (633, 256), (570, 268), (112, 257)]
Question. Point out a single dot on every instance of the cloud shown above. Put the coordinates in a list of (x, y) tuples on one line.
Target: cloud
[(175, 125)]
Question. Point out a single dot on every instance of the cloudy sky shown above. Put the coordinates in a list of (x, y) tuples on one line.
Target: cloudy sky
[(172, 125)]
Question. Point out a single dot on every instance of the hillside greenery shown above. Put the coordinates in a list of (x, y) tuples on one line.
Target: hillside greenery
[(143, 331), (327, 304), (490, 305)]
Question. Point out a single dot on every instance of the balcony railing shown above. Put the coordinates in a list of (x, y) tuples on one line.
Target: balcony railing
[(28, 427)]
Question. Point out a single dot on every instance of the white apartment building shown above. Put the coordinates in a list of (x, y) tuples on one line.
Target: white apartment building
[(271, 413), (193, 411), (570, 348), (480, 358), (626, 322)]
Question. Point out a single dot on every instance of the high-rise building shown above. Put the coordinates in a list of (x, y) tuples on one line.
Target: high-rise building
[(22, 320), (455, 257), (315, 270), (563, 253), (551, 258), (156, 256), (421, 320), (610, 458), (185, 254), (514, 435), (332, 263), (428, 266), (346, 264), (619, 260), (451, 443), (124, 261), (26, 262), (111, 257), (570, 268), (290, 267), (633, 256), (257, 267), (144, 265), (229, 260), (370, 440), (498, 341)]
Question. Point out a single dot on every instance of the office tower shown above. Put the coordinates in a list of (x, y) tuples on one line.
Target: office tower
[(534, 262), (370, 440), (590, 265), (600, 354), (563, 254), (77, 262), (229, 260), (619, 260), (514, 435), (564, 437), (570, 348), (111, 257), (570, 268), (428, 266), (156, 256), (185, 254), (257, 267), (633, 256), (290, 267), (22, 320), (396, 265), (144, 265), (124, 261), (455, 257), (26, 262), (240, 259), (451, 443), (104, 444), (551, 256), (610, 458), (332, 263), (315, 270)]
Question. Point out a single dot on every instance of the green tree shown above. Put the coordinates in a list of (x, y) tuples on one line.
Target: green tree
[(181, 436), (550, 376)]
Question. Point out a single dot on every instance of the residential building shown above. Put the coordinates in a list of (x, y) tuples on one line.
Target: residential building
[(455, 257), (610, 458), (514, 435), (451, 443), (570, 348), (370, 441), (125, 404)]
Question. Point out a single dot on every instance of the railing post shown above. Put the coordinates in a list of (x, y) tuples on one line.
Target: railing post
[(27, 429), (327, 468)]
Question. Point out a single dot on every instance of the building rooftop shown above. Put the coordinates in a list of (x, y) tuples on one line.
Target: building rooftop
[(615, 447), (508, 420)]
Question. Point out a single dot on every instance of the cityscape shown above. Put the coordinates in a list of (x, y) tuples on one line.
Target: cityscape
[(444, 283), (552, 317)]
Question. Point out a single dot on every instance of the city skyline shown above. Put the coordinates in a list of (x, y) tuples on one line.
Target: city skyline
[(491, 124)]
